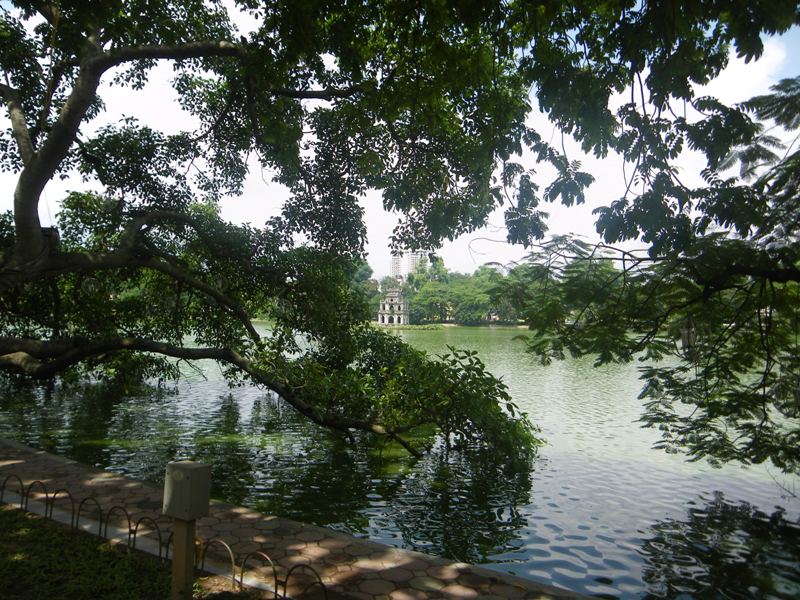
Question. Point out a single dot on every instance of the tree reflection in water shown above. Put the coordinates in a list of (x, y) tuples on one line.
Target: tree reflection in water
[(462, 507), (222, 445), (723, 550), (457, 505)]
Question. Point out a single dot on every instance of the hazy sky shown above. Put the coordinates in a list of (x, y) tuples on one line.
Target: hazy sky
[(156, 106)]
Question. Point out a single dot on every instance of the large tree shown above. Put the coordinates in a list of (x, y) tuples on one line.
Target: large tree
[(424, 101)]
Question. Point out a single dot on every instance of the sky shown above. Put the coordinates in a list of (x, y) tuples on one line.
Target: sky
[(156, 105)]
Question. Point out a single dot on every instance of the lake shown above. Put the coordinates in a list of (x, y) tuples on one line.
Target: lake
[(599, 511)]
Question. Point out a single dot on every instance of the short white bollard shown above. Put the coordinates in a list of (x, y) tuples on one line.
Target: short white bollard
[(187, 489)]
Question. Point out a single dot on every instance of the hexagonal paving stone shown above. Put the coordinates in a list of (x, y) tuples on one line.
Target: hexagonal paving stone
[(367, 564), (507, 591), (314, 552), (354, 549), (458, 591), (472, 580), (291, 561), (344, 569), (426, 584), (245, 533), (333, 543), (310, 535), (245, 547), (444, 572), (414, 564), (397, 574), (228, 538), (408, 594), (336, 558), (376, 586)]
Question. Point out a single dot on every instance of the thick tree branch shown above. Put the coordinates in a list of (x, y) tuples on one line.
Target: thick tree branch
[(777, 275), (19, 127), (50, 13), (180, 52), (45, 358), (87, 262), (37, 172), (325, 94), (40, 167), (54, 81), (135, 227), (229, 303)]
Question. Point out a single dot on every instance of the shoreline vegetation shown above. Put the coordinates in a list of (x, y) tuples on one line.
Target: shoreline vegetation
[(439, 326), (266, 323)]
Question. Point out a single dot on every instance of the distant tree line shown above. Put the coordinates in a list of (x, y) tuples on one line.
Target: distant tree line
[(438, 295)]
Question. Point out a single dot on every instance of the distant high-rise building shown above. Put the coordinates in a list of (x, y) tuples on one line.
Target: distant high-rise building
[(393, 308), (396, 269), (414, 258)]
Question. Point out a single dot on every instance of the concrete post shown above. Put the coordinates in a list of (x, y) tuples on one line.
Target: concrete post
[(183, 559), (187, 489)]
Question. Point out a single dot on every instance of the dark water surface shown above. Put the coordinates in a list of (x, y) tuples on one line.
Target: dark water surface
[(599, 512)]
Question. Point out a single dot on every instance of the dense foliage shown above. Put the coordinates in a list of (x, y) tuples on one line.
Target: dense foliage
[(419, 101), (713, 312), (424, 101)]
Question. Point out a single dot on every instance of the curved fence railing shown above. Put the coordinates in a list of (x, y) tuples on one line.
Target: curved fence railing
[(38, 492)]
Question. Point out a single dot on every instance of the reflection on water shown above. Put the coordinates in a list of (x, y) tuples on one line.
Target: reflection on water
[(723, 550), (470, 510), (267, 457), (598, 512)]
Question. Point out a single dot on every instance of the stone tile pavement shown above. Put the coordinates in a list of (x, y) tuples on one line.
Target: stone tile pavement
[(349, 567)]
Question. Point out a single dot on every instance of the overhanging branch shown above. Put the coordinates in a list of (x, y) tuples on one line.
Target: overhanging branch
[(189, 50), (224, 300), (44, 359), (88, 262), (325, 94)]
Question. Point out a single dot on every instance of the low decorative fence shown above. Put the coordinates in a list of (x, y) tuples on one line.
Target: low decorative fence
[(90, 505)]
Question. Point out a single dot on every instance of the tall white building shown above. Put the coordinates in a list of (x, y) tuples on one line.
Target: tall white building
[(413, 260), (396, 270)]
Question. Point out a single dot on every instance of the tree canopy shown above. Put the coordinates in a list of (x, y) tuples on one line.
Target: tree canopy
[(436, 295), (426, 102), (712, 307)]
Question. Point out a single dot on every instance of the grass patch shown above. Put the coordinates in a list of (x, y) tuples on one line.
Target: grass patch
[(43, 559)]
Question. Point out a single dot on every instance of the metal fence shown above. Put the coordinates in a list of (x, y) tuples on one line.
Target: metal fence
[(304, 575)]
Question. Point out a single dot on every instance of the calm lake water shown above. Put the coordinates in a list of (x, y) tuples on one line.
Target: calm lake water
[(599, 511)]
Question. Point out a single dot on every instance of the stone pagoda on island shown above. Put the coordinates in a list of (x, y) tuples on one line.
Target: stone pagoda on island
[(393, 309)]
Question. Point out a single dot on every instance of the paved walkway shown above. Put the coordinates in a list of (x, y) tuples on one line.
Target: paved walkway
[(349, 567)]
